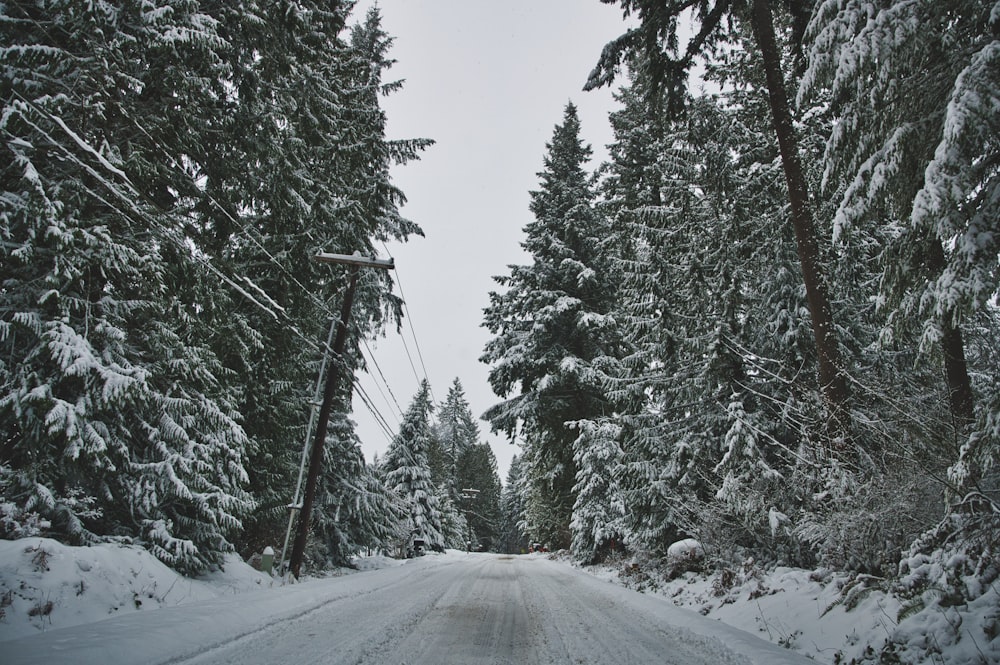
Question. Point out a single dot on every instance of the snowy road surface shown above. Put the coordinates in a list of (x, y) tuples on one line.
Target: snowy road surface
[(455, 608)]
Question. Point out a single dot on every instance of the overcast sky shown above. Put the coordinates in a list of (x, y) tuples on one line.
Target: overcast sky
[(488, 81)]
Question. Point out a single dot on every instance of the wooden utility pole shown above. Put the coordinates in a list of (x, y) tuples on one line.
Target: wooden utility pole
[(329, 391)]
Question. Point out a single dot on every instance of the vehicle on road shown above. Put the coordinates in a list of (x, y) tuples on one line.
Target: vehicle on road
[(418, 547)]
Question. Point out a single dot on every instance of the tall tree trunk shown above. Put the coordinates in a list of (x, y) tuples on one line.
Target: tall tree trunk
[(959, 387), (831, 377), (960, 398)]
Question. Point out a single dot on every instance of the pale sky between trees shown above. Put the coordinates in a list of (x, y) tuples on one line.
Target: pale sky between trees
[(488, 82)]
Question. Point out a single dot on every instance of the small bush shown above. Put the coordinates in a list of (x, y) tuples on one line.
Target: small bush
[(41, 609)]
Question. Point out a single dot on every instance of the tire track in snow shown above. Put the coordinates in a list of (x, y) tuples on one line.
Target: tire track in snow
[(581, 625), (330, 632)]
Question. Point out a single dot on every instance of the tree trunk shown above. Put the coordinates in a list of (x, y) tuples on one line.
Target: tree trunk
[(959, 387), (831, 377), (960, 397)]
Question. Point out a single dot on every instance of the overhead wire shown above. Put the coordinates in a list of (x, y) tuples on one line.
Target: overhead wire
[(204, 260), (167, 232), (398, 412), (413, 332), (379, 420), (274, 309), (378, 368), (272, 259)]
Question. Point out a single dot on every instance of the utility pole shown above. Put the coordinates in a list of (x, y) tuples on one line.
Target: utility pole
[(468, 493), (329, 391)]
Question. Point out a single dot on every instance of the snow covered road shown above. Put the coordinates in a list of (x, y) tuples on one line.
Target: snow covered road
[(456, 608)]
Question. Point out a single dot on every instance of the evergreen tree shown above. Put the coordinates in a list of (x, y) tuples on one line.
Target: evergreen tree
[(201, 154), (713, 406), (470, 465), (354, 510), (655, 41), (114, 420), (477, 471), (310, 128), (512, 537), (911, 174), (407, 473), (549, 325), (455, 430), (454, 527), (440, 461), (599, 512), (913, 184)]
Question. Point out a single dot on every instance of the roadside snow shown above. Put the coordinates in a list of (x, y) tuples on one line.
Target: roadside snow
[(829, 617), (46, 585)]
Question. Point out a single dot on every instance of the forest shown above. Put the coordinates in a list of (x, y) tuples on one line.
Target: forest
[(767, 322)]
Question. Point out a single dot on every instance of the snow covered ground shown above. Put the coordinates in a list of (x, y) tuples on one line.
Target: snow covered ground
[(454, 608), (77, 605), (829, 617)]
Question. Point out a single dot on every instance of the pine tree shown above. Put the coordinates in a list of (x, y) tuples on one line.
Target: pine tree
[(407, 473), (200, 155), (710, 392), (466, 464), (656, 40), (549, 325), (455, 430), (599, 512), (114, 401), (354, 510), (911, 174), (914, 185), (454, 527), (308, 136), (476, 470), (512, 537)]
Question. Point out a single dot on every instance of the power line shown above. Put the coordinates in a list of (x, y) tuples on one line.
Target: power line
[(413, 333), (277, 312), (325, 307), (371, 357), (379, 419), (155, 142)]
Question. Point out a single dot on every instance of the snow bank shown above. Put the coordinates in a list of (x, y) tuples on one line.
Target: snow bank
[(45, 584), (831, 618)]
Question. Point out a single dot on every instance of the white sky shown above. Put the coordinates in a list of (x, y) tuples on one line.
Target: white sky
[(488, 81)]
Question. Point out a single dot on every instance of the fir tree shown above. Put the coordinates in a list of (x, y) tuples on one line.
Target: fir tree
[(455, 430), (112, 393), (407, 473), (477, 471), (354, 509), (512, 537), (309, 127), (454, 527), (470, 465), (599, 512), (911, 175), (666, 66), (200, 155), (914, 185), (715, 321), (549, 325)]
